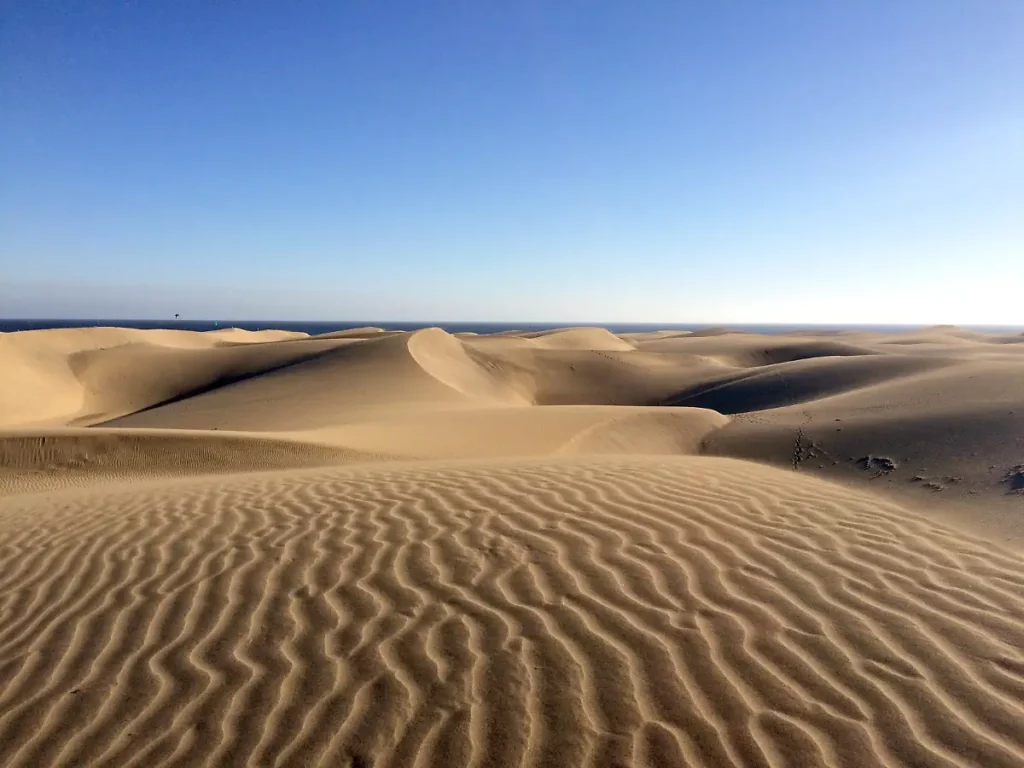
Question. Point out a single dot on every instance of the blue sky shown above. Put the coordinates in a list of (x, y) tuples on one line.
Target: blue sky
[(818, 161)]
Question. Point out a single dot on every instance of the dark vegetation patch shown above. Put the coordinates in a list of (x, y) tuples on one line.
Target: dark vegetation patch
[(877, 465), (1014, 479)]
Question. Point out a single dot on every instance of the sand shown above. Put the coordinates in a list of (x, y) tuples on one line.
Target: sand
[(569, 548)]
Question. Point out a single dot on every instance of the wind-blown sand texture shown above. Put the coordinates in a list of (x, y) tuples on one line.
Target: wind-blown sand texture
[(377, 549)]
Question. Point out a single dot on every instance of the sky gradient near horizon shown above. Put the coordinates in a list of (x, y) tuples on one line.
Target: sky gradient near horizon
[(801, 161)]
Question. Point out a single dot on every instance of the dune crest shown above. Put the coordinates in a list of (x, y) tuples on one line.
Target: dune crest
[(446, 359), (594, 339)]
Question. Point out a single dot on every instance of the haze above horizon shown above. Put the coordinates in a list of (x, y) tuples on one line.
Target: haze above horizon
[(663, 162)]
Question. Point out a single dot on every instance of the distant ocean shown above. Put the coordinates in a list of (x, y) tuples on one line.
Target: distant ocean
[(314, 328)]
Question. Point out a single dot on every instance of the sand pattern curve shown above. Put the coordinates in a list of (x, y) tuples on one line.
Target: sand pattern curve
[(565, 612)]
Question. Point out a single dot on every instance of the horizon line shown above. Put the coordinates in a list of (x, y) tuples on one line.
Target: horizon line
[(551, 323)]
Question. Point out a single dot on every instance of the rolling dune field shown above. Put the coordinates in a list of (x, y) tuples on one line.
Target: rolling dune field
[(560, 549)]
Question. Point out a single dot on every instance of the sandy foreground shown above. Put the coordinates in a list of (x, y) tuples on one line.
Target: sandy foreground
[(571, 548)]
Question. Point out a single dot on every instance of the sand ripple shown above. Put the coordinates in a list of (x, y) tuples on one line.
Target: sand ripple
[(650, 611)]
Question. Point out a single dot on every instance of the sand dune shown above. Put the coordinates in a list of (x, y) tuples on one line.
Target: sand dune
[(759, 388), (242, 336), (613, 612), (941, 403), (509, 432), (750, 350), (34, 460), (368, 331), (561, 549), (74, 376), (451, 362), (343, 381), (597, 339)]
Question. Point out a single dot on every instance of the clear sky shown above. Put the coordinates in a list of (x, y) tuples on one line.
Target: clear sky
[(818, 161)]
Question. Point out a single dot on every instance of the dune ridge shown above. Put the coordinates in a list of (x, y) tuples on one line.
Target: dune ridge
[(567, 548), (59, 458)]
